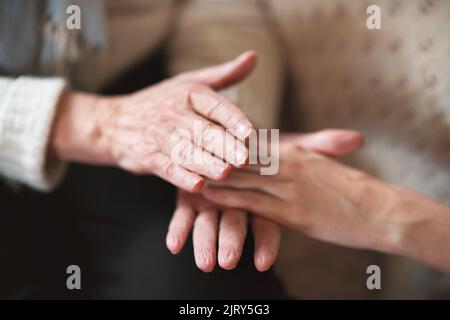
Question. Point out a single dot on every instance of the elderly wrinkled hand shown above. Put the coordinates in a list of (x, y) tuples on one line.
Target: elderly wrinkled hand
[(137, 132)]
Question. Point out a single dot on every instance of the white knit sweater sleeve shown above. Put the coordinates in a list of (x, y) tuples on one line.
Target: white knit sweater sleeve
[(27, 110)]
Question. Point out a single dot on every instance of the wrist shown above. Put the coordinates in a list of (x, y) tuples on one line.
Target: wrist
[(81, 128), (387, 225), (424, 228), (406, 221), (395, 222)]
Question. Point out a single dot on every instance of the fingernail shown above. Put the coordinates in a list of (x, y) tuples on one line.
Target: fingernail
[(205, 261), (222, 171), (241, 156), (243, 129), (172, 244), (260, 263), (198, 184)]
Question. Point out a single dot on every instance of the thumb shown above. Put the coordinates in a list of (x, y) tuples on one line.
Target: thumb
[(331, 142), (225, 74)]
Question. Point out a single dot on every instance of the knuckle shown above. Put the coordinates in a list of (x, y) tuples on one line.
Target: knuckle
[(165, 112), (217, 107), (192, 88), (231, 118), (212, 133), (186, 150), (169, 169), (208, 126), (147, 151)]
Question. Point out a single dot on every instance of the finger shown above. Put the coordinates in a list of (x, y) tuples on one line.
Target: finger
[(232, 232), (214, 139), (267, 237), (175, 174), (267, 206), (204, 239), (179, 227), (216, 107), (186, 154), (332, 142), (226, 74), (245, 179)]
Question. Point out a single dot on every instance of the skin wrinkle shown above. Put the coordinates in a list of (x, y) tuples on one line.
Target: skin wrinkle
[(209, 128), (232, 232), (267, 241), (206, 241), (210, 112), (228, 120)]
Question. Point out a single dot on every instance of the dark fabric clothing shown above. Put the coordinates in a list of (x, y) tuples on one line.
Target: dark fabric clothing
[(112, 224)]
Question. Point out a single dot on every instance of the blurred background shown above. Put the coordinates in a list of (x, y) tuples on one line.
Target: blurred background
[(319, 66)]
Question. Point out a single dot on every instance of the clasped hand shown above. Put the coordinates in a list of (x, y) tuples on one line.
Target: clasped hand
[(218, 217)]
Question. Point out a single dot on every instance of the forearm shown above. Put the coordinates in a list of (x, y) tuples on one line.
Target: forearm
[(427, 238), (420, 229)]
